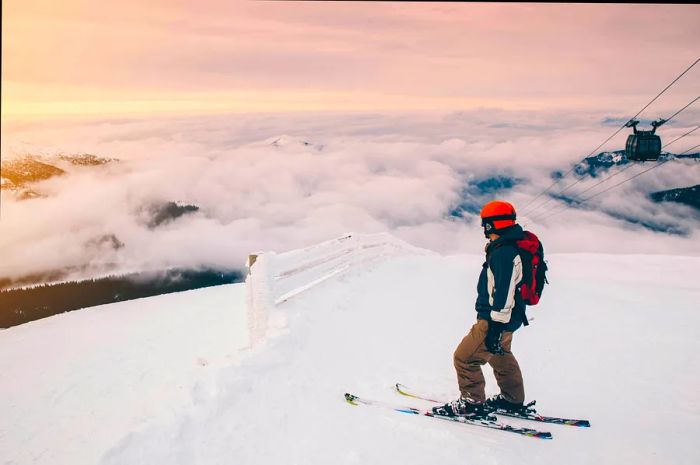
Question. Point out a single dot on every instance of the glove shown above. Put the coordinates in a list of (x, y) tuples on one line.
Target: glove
[(493, 338)]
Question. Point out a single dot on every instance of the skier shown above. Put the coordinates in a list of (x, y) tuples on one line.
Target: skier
[(500, 312)]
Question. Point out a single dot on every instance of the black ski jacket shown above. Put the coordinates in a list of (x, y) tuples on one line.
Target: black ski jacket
[(498, 297)]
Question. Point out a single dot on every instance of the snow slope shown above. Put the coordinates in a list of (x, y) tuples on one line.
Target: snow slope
[(73, 384), (614, 341)]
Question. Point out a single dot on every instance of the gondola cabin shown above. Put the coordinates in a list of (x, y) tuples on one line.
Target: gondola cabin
[(643, 145)]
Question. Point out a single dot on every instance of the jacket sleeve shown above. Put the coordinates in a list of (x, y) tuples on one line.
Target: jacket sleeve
[(482, 306), (504, 273)]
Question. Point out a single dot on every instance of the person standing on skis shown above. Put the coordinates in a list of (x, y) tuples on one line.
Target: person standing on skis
[(500, 312)]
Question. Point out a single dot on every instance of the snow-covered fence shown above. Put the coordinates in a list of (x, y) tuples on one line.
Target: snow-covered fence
[(275, 278)]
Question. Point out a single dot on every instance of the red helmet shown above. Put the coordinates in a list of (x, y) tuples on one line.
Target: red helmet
[(497, 216)]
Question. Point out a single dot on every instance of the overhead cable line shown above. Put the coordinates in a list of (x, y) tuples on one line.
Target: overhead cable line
[(537, 207), (620, 183), (681, 110), (636, 175), (581, 179), (614, 134), (547, 214), (681, 137)]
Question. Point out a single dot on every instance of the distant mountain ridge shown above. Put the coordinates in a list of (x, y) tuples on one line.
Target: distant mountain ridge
[(164, 213), (686, 195), (478, 191), (21, 305), (593, 165), (19, 173)]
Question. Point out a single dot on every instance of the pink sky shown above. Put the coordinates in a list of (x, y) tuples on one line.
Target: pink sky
[(83, 57)]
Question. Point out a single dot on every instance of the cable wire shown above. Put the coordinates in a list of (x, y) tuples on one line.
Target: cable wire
[(619, 183), (547, 214), (525, 208), (604, 180), (681, 110), (681, 137), (581, 179)]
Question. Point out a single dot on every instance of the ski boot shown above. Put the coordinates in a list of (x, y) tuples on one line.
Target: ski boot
[(463, 408), (499, 403)]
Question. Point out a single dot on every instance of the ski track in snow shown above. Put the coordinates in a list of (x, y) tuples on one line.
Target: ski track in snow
[(613, 341)]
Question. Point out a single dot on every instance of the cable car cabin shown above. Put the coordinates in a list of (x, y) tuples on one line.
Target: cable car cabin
[(643, 145)]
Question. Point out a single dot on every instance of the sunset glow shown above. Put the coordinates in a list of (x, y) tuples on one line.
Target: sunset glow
[(86, 58)]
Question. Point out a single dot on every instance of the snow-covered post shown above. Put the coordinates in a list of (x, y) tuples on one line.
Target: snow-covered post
[(259, 295)]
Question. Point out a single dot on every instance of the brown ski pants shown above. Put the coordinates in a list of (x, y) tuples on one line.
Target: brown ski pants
[(471, 354)]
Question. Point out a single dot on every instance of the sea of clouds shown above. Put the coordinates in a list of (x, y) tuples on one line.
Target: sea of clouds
[(279, 182)]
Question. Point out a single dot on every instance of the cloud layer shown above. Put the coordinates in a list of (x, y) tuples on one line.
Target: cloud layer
[(279, 182)]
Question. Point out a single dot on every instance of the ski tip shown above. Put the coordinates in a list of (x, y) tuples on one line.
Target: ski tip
[(581, 423), (537, 434)]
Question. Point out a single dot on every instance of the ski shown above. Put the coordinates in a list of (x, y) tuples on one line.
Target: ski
[(491, 424), (528, 414)]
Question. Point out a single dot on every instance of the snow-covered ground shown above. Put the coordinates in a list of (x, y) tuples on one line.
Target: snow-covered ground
[(73, 384), (171, 379)]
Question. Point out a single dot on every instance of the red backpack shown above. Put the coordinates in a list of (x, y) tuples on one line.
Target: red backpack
[(534, 268)]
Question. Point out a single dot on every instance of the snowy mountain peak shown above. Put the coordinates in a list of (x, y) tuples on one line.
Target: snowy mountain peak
[(292, 143)]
